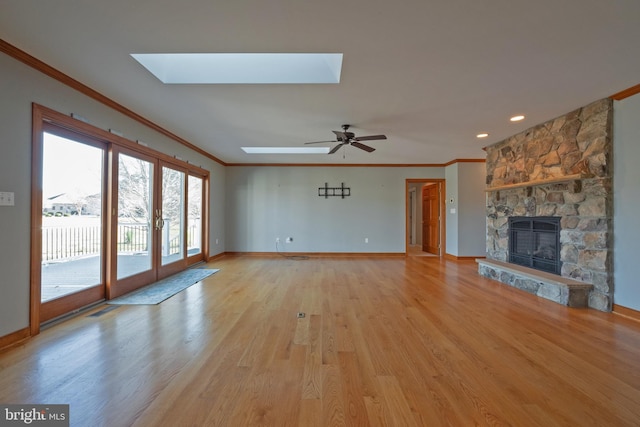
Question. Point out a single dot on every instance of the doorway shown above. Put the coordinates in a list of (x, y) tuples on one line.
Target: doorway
[(430, 219), (425, 219), (150, 214)]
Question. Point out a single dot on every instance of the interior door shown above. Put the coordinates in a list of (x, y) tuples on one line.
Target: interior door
[(412, 217), (431, 219)]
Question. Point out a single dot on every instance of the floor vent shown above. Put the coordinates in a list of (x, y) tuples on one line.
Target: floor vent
[(103, 311)]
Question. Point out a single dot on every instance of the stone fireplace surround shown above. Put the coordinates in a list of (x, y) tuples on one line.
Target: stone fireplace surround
[(559, 168)]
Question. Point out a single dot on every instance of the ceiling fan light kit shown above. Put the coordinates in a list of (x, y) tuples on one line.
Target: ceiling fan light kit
[(345, 137)]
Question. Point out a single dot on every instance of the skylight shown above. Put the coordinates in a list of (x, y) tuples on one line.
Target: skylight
[(243, 68), (286, 150)]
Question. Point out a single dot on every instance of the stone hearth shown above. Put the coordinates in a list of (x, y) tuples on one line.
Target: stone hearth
[(571, 293), (560, 168)]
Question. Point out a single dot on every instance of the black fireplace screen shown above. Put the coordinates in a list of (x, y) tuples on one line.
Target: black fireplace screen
[(535, 242)]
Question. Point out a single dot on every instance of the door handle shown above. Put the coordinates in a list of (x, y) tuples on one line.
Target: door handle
[(159, 221)]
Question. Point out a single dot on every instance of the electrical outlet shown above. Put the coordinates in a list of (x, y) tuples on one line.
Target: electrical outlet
[(277, 240), (289, 239), (7, 198), (366, 240)]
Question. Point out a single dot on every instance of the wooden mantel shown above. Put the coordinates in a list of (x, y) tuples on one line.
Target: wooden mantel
[(536, 183)]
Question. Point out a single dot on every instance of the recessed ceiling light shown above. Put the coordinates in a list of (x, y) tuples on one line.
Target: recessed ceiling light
[(242, 68), (482, 135), (286, 150), (517, 118)]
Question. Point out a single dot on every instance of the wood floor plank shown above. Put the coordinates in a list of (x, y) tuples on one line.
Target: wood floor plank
[(398, 410), (312, 376), (333, 407), (329, 341), (366, 370), (376, 415), (310, 413), (352, 390), (301, 335), (384, 341), (266, 399)]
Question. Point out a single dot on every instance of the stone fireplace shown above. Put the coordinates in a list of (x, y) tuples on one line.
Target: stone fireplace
[(560, 169)]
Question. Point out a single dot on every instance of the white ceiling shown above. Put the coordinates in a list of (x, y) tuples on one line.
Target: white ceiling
[(430, 74)]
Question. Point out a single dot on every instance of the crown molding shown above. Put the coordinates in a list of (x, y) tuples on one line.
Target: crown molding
[(633, 90), (63, 78)]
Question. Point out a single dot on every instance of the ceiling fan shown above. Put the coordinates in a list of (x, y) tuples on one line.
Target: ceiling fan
[(349, 138)]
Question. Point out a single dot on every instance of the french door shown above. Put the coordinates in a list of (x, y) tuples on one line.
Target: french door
[(171, 220), (108, 216), (150, 217), (132, 236)]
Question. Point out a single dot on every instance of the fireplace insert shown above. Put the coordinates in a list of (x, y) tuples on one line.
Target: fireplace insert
[(535, 242)]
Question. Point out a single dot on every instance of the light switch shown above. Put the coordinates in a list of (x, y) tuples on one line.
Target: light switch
[(453, 210), (7, 198)]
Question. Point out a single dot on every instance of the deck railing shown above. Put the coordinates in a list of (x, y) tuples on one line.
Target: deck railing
[(61, 243)]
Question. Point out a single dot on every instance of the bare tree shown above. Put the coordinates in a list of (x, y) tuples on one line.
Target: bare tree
[(134, 189), (172, 194)]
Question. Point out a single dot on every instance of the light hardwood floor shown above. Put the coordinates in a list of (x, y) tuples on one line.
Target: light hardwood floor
[(416, 341)]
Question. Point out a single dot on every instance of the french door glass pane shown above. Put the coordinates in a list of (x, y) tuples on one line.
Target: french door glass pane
[(72, 216), (172, 236), (194, 220), (135, 210)]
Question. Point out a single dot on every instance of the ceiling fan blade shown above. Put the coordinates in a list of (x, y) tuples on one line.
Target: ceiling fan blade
[(319, 142), (363, 147), (370, 138), (336, 148)]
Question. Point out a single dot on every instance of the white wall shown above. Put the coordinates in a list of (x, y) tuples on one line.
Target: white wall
[(626, 202), (268, 202), (21, 85)]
